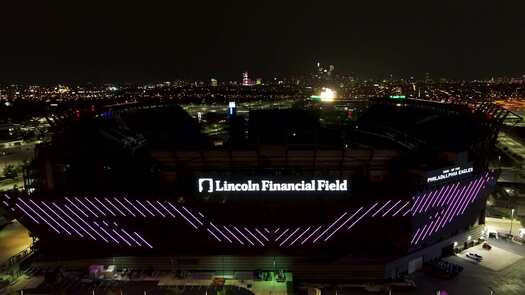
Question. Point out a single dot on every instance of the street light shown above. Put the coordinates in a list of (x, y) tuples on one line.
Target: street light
[(511, 219)]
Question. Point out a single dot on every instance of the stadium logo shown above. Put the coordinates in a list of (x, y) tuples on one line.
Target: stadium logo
[(209, 185), (205, 185)]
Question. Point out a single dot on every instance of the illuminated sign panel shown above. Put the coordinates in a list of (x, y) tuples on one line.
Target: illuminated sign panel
[(211, 185), (450, 173)]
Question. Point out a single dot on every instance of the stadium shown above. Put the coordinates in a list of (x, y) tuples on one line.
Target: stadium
[(308, 190)]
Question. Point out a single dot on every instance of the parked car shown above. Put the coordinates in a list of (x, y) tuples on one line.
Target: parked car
[(474, 256)]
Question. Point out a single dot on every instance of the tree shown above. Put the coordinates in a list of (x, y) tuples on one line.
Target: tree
[(10, 171)]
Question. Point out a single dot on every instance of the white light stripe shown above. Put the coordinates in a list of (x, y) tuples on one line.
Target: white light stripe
[(444, 196), (183, 216), (422, 198), (113, 205), (427, 200), (127, 209), (267, 230), (129, 236), (300, 236), (25, 212), (313, 233), (251, 234), (49, 216), (80, 218), (76, 207), (417, 239), (169, 212), (71, 218), (140, 212), (388, 211), (343, 224), (60, 217), (222, 234), (379, 210), (85, 206), (473, 195), (249, 241), (414, 236), (355, 222), (152, 214), (289, 236), (399, 210), (213, 235), (276, 230), (38, 222), (191, 214), (436, 196), (122, 238), (277, 239), (98, 209), (109, 235), (37, 214), (156, 209), (262, 235), (112, 213), (328, 228), (424, 235), (233, 235)]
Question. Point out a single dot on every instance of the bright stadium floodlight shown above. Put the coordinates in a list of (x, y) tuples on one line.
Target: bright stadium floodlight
[(328, 95)]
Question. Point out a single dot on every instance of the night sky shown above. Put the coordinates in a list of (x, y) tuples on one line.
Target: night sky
[(79, 41)]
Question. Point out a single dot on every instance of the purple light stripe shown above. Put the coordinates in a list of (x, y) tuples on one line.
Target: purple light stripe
[(436, 226), (109, 235), (343, 224), (427, 231), (152, 214), (328, 228), (421, 200), (183, 216), (475, 194), (54, 212), (113, 205), (29, 208), (406, 213), (436, 197), (452, 203), (129, 236), (5, 203), (262, 235), (76, 207), (74, 221), (277, 239), (276, 230), (459, 201), (85, 206), (374, 215), (201, 215), (249, 241), (121, 237), (444, 195), (368, 211), (300, 236), (452, 194), (142, 239), (427, 200), (388, 211), (156, 209), (37, 214), (233, 235), (8, 197), (266, 230), (256, 238), (414, 236), (416, 199), (289, 236), (127, 209), (213, 235), (191, 214), (418, 236), (446, 201), (468, 196), (166, 209), (80, 218), (311, 234), (219, 231), (140, 212), (94, 206), (399, 210), (112, 213), (25, 212)]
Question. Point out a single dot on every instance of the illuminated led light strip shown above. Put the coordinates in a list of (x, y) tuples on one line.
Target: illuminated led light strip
[(444, 195), (474, 196), (453, 192), (183, 216), (417, 239), (249, 241), (113, 205), (313, 233), (277, 239), (343, 224), (289, 236), (129, 236), (194, 217), (368, 211), (414, 236), (422, 199), (275, 231), (127, 209), (379, 210), (122, 238), (5, 203), (266, 230), (388, 211), (213, 235), (85, 206), (96, 207), (25, 212), (38, 222), (425, 233), (169, 212), (416, 200), (80, 218), (433, 200), (71, 218), (140, 212), (406, 213), (459, 201), (8, 197), (400, 209), (156, 209), (53, 211), (109, 235), (452, 204), (68, 232), (262, 235), (40, 216), (300, 236), (427, 200), (468, 196), (152, 214), (201, 215), (219, 231), (76, 207), (112, 213), (233, 235), (256, 238), (328, 228)]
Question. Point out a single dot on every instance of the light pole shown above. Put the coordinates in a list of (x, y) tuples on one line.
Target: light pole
[(511, 219)]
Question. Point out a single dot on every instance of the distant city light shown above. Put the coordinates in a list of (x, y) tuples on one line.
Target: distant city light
[(327, 95)]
